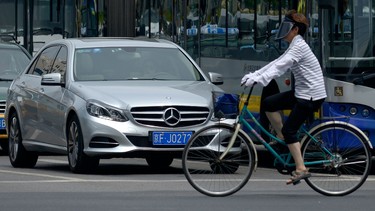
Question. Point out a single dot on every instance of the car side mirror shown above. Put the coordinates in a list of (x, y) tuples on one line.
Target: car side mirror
[(216, 78), (52, 79)]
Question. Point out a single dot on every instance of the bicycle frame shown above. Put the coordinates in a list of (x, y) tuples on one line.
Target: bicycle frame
[(284, 159)]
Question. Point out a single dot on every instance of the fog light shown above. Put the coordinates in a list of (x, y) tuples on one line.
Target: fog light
[(353, 110), (342, 108), (365, 113)]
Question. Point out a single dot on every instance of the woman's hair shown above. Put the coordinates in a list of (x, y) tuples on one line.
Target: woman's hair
[(299, 20)]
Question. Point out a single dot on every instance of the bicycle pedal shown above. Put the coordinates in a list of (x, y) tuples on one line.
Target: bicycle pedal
[(293, 182), (297, 182)]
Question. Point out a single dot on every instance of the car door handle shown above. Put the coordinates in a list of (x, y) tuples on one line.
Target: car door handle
[(41, 90), (23, 84)]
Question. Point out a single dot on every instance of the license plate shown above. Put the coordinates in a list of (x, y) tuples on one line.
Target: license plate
[(2, 126), (171, 138)]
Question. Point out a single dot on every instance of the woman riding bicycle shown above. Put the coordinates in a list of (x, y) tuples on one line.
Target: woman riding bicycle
[(308, 93)]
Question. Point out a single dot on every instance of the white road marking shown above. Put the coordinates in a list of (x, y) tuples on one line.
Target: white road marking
[(40, 175), (60, 179), (63, 179)]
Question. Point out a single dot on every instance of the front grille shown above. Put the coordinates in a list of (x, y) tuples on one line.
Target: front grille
[(153, 116), (2, 106)]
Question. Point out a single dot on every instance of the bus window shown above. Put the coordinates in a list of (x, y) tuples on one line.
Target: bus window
[(349, 32), (346, 36)]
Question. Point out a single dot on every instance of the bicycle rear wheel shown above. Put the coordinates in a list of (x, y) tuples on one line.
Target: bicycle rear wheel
[(347, 150), (209, 174)]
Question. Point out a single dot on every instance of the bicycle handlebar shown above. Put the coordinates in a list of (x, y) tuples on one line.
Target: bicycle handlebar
[(251, 90)]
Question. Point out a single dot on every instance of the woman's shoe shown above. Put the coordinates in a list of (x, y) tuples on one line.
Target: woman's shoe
[(297, 176)]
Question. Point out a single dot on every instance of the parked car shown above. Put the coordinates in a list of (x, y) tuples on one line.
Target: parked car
[(99, 98), (13, 60)]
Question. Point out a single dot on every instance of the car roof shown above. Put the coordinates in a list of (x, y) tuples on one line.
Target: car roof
[(8, 45), (13, 46), (115, 42)]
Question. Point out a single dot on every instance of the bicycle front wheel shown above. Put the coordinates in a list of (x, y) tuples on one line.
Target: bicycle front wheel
[(209, 174), (339, 157)]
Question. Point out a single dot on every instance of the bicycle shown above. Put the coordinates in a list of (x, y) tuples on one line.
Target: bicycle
[(219, 160)]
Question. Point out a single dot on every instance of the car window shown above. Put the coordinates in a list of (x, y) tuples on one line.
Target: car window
[(45, 60), (59, 65), (12, 62), (134, 63)]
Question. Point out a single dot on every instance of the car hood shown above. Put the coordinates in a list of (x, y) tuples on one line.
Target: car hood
[(145, 93)]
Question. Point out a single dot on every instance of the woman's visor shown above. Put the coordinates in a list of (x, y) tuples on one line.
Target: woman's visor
[(284, 29)]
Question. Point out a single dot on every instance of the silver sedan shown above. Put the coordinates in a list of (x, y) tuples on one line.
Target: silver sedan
[(106, 98)]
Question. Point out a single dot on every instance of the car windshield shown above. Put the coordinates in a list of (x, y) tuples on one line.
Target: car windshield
[(133, 63), (12, 62)]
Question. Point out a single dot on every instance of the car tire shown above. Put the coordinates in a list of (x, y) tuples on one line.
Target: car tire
[(159, 161), (18, 156), (4, 146), (79, 162)]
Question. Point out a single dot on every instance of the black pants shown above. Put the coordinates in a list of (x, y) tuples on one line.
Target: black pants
[(301, 110)]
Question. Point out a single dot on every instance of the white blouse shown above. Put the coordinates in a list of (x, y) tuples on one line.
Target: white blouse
[(308, 75)]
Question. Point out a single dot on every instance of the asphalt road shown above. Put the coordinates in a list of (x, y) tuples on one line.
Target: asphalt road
[(129, 184)]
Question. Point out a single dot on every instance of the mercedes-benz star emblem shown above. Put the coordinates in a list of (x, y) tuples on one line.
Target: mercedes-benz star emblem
[(171, 116)]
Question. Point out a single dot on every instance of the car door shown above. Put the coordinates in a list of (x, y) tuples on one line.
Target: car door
[(25, 91), (51, 110), (28, 88)]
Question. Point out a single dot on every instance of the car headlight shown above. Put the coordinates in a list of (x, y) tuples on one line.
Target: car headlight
[(105, 112)]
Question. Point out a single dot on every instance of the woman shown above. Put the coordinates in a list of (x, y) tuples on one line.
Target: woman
[(308, 93)]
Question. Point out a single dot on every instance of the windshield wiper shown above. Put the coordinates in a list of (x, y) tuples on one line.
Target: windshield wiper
[(363, 78), (147, 79), (5, 79)]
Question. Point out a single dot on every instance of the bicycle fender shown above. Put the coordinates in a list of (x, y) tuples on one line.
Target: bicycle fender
[(339, 123), (253, 146)]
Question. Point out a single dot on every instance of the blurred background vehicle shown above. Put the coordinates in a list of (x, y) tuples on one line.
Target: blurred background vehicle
[(13, 60)]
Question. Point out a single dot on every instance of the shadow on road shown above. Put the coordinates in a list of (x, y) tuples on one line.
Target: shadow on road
[(108, 168)]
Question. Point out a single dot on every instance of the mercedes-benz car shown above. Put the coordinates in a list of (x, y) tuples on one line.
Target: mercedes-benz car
[(13, 60), (98, 98)]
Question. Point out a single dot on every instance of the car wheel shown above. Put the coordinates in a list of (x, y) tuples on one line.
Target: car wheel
[(18, 155), (78, 161), (4, 146), (159, 161)]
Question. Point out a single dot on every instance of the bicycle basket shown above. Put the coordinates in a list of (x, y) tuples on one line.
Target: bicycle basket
[(225, 105)]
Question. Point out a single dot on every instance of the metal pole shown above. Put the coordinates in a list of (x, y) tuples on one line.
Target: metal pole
[(25, 25), (149, 19), (199, 33), (173, 20), (31, 26), (255, 24), (16, 20), (184, 16), (226, 23), (63, 18)]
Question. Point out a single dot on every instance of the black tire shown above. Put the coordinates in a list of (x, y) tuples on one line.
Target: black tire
[(347, 150), (79, 162), (209, 174), (18, 156), (4, 146), (159, 161)]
